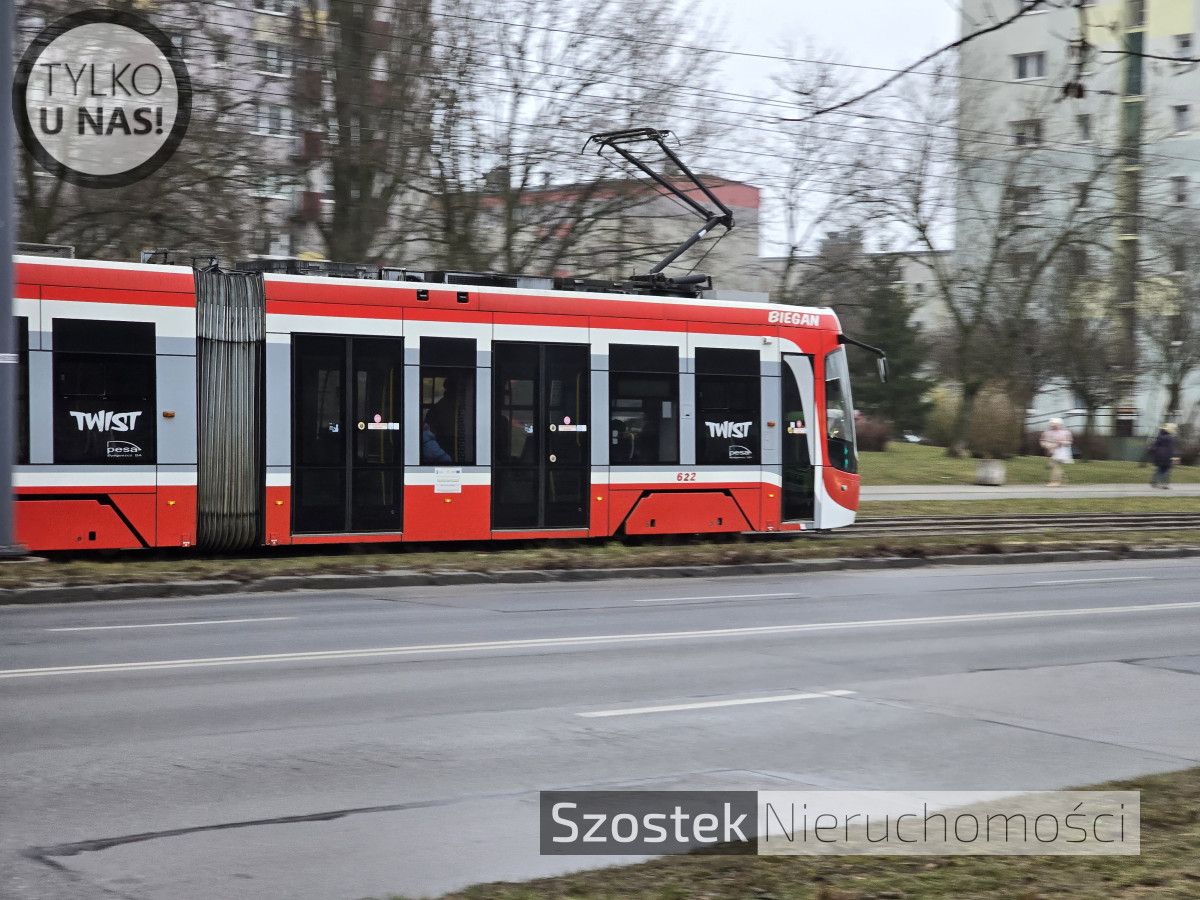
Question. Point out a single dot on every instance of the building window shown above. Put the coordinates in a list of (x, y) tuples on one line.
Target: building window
[(1024, 199), (104, 392), (1179, 258), (279, 244), (1181, 117), (22, 389), (447, 402), (271, 57), (1183, 46), (276, 7), (1077, 261), (273, 119), (919, 289), (643, 405), (1179, 189), (728, 407), (1029, 65), (1083, 126), (1027, 133)]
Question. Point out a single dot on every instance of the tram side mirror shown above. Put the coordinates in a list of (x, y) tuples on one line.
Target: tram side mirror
[(881, 364)]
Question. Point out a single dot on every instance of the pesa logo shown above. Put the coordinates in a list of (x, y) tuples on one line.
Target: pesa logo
[(123, 450), (780, 317), (106, 421)]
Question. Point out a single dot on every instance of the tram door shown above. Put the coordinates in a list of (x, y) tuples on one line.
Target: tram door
[(798, 438), (541, 446), (347, 434)]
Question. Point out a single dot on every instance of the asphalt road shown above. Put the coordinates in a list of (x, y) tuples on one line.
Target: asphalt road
[(341, 745)]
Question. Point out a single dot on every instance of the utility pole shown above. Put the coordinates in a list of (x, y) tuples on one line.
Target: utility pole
[(8, 236), (1127, 254)]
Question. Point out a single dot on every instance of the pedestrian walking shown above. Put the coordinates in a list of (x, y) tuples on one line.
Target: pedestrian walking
[(1162, 453), (1057, 442)]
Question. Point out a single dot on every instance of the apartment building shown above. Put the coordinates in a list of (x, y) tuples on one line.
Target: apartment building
[(1050, 87)]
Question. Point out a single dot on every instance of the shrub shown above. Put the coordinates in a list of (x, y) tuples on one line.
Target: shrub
[(1094, 447), (939, 424), (1031, 443), (996, 425), (873, 434)]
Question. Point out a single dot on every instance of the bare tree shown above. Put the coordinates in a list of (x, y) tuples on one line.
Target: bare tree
[(363, 98), (1084, 351), (1011, 232), (525, 83), (1170, 306), (820, 165), (203, 197)]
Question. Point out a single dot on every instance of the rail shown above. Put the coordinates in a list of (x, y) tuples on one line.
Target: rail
[(1001, 524)]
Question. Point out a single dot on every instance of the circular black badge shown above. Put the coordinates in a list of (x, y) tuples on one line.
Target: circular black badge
[(102, 98)]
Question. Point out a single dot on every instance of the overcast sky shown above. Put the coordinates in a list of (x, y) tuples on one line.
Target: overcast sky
[(867, 32), (885, 33)]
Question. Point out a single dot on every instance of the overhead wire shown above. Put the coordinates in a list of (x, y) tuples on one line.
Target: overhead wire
[(740, 151), (949, 154), (1065, 147)]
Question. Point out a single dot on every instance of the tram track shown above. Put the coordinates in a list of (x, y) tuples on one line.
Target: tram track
[(1002, 524)]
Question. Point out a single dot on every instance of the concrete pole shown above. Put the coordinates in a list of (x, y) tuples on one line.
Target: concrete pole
[(8, 236), (1127, 254)]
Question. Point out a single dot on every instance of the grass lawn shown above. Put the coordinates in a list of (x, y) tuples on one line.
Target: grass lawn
[(140, 568), (918, 464), (1168, 868), (1160, 503)]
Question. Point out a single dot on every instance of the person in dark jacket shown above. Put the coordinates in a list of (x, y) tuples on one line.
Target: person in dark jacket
[(432, 452), (1162, 455)]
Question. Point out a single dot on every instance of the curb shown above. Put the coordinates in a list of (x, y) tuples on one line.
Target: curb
[(402, 578)]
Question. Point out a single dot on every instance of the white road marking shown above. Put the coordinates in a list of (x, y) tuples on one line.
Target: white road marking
[(174, 624), (1094, 580), (714, 597), (590, 640), (710, 704)]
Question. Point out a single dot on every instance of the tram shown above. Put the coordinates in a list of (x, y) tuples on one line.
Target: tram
[(172, 406), (287, 402)]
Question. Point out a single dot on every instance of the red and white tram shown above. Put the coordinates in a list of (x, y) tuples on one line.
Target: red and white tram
[(161, 406)]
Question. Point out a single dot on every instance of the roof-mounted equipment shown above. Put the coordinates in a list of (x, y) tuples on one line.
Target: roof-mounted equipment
[(621, 142)]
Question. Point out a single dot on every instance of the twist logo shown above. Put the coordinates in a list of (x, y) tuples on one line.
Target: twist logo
[(105, 420), (102, 98), (729, 429)]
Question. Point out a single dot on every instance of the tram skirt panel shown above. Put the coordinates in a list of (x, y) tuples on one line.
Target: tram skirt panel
[(230, 334)]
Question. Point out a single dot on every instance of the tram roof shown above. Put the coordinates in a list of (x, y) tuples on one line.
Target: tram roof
[(548, 294)]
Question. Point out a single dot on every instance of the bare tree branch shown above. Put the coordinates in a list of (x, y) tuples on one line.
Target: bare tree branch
[(1024, 10)]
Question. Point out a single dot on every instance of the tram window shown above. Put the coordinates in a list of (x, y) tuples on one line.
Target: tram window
[(728, 407), (515, 382), (839, 413), (643, 390), (22, 389), (710, 361), (319, 398), (104, 392), (447, 402)]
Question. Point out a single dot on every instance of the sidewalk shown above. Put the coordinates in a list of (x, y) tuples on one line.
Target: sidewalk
[(875, 494)]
